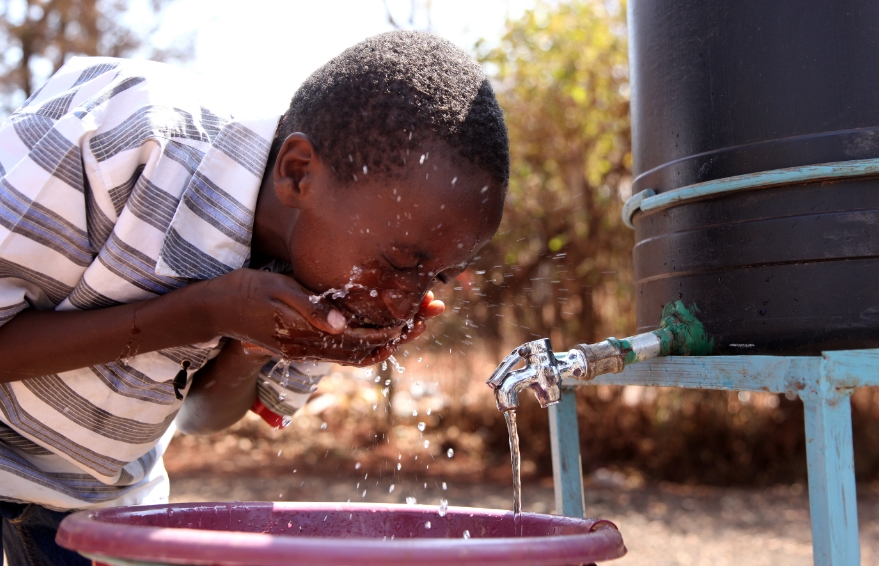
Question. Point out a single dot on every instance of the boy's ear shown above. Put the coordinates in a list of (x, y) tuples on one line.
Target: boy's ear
[(294, 169)]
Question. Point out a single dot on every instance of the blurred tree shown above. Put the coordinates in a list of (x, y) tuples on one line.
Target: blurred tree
[(38, 36), (560, 265)]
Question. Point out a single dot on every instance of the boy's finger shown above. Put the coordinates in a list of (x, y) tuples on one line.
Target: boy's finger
[(371, 336), (378, 356), (418, 328), (431, 309), (255, 349), (319, 314)]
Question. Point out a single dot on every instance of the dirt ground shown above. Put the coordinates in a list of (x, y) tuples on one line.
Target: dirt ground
[(662, 525)]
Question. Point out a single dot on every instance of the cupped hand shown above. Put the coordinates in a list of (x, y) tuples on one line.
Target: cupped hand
[(274, 312), (429, 308)]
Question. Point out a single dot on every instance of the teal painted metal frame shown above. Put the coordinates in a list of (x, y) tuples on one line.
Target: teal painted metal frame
[(825, 385)]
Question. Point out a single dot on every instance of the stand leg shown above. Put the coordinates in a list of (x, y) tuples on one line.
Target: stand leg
[(832, 501), (567, 469)]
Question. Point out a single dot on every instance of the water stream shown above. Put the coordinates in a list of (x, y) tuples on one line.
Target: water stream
[(516, 460)]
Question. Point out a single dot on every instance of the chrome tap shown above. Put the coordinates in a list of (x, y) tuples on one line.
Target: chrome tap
[(542, 373), (679, 334)]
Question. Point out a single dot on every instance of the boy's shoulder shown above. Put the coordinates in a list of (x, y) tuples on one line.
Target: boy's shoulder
[(85, 83)]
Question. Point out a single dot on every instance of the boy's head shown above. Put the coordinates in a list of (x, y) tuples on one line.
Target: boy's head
[(395, 158)]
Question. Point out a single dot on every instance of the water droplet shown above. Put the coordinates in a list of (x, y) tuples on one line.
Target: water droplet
[(428, 411), (444, 507), (323, 426), (362, 495), (427, 525), (426, 443), (391, 489), (421, 427), (421, 162), (373, 293), (466, 534), (450, 452), (357, 466), (387, 381), (410, 501), (445, 487), (399, 466), (397, 366)]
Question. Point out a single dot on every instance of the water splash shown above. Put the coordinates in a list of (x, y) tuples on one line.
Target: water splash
[(283, 366), (343, 291), (397, 366), (410, 501)]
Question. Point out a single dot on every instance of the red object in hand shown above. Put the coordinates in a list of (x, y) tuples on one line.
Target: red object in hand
[(274, 419)]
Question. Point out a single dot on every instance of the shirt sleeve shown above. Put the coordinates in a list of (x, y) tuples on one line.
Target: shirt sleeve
[(44, 244), (285, 389)]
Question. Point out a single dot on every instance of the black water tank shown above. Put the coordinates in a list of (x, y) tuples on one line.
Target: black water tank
[(728, 88)]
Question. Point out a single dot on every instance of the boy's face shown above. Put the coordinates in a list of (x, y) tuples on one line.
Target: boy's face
[(383, 243)]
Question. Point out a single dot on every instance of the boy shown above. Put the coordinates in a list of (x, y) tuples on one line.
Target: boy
[(153, 250)]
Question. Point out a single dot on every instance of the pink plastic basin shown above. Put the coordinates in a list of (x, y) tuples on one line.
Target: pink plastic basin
[(333, 534)]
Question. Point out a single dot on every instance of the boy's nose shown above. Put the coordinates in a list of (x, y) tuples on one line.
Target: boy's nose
[(399, 303)]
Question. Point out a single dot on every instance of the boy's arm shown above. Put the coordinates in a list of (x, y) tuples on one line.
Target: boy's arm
[(37, 343), (269, 309), (222, 391)]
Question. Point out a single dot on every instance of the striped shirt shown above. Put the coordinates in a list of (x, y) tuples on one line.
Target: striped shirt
[(118, 184)]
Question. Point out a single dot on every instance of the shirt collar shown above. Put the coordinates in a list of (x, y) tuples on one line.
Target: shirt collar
[(211, 231)]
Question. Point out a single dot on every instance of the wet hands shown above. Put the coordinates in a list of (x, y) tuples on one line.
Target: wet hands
[(427, 309), (272, 312)]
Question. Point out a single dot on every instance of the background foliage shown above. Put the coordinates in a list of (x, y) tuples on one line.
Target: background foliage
[(38, 36)]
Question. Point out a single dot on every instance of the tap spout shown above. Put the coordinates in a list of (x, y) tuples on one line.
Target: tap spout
[(541, 373)]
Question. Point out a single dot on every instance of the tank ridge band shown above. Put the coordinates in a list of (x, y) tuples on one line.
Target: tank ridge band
[(764, 179)]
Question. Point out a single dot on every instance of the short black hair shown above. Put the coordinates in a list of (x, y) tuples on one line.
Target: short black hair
[(392, 92)]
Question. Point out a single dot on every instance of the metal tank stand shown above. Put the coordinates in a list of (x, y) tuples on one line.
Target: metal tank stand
[(825, 385)]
